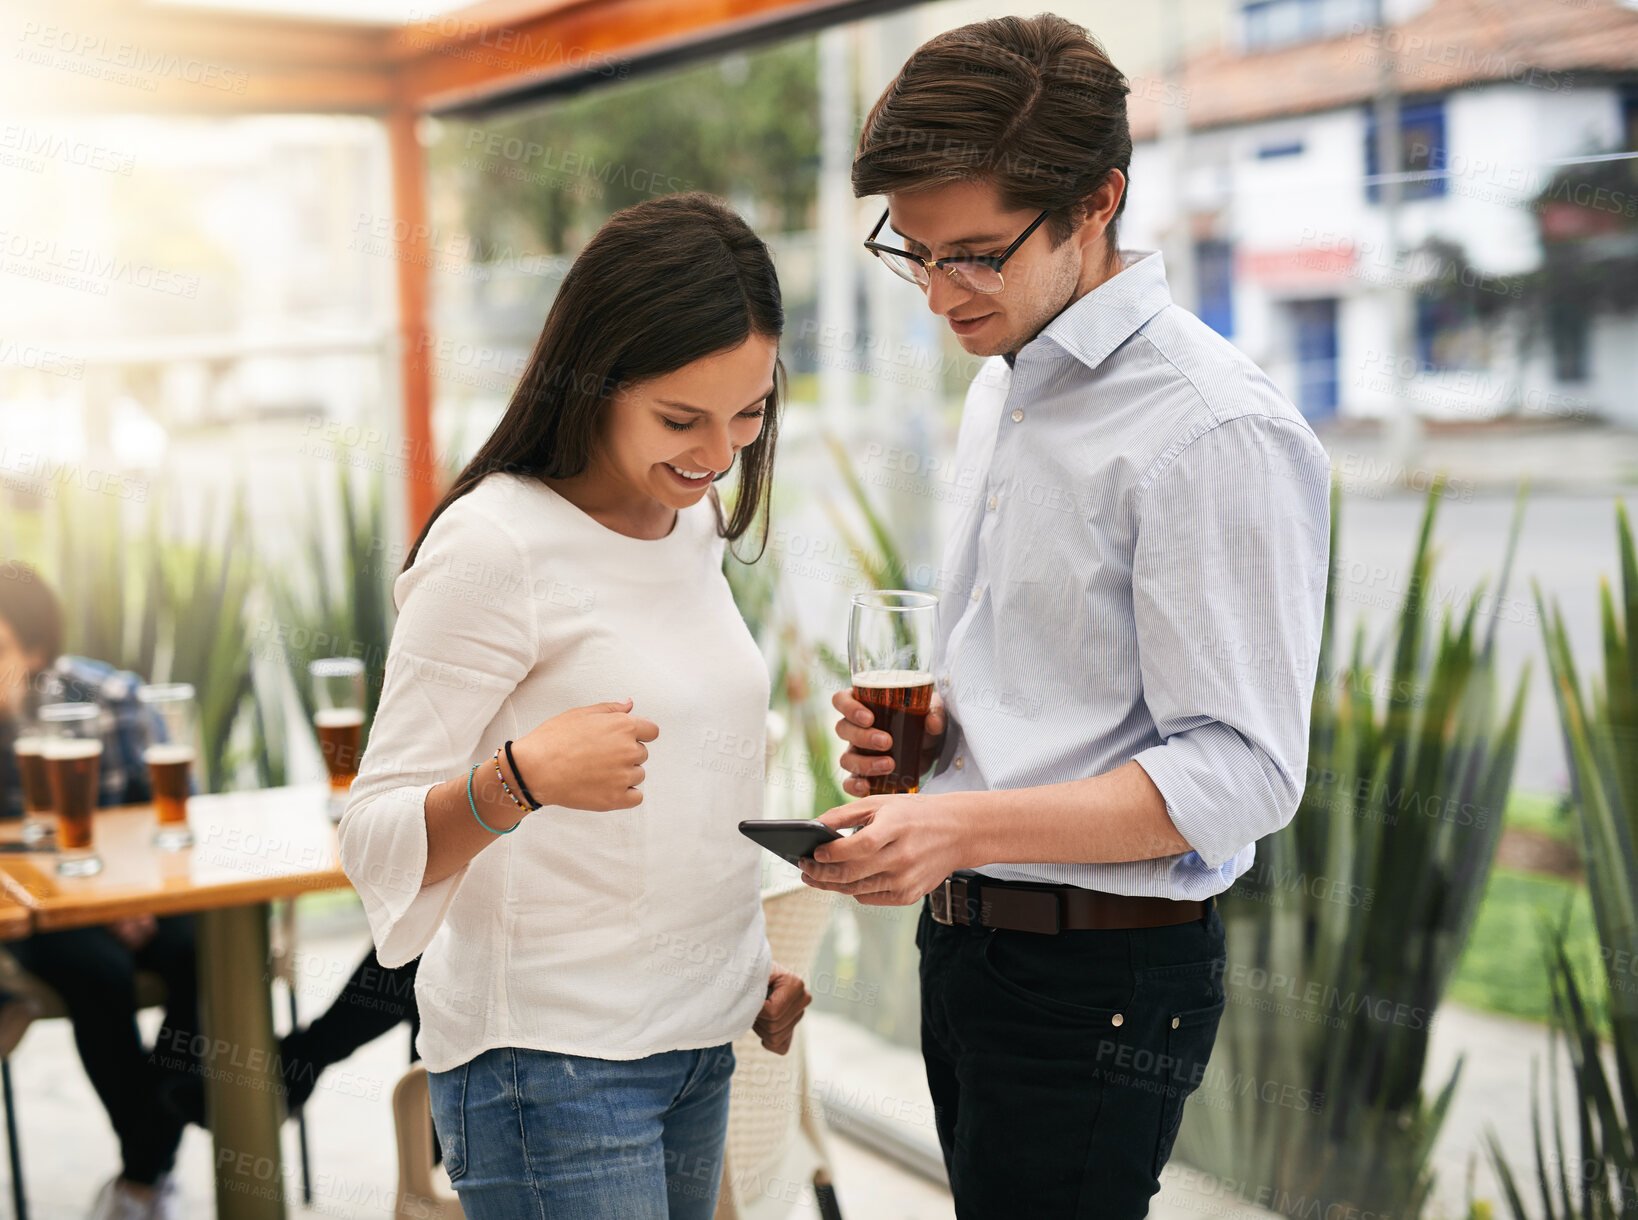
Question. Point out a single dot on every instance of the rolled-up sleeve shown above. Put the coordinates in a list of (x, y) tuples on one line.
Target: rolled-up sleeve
[(465, 638), (1228, 586)]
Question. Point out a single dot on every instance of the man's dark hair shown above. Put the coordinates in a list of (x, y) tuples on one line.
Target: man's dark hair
[(1030, 103)]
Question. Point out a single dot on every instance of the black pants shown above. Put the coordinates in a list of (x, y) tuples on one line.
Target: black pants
[(1059, 1064), (94, 974), (374, 1000)]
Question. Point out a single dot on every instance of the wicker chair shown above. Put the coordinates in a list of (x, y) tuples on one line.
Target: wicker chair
[(776, 1134)]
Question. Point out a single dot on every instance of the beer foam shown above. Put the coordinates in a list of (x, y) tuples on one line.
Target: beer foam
[(72, 747), (167, 752), (29, 745), (886, 679), (338, 717)]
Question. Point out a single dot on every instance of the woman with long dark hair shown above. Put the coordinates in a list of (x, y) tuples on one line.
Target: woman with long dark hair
[(547, 808)]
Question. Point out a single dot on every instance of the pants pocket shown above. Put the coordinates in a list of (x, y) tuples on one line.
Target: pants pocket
[(447, 1093), (1189, 1040)]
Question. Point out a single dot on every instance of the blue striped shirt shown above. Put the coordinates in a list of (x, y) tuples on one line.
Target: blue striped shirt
[(1140, 574)]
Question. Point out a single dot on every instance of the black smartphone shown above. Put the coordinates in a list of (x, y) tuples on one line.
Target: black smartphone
[(790, 839)]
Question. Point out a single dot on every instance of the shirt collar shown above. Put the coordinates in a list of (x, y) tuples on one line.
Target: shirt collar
[(1112, 312)]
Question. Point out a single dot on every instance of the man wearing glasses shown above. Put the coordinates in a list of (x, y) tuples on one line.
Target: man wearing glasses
[(1127, 641)]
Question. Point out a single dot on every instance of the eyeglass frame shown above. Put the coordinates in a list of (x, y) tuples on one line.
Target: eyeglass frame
[(993, 261)]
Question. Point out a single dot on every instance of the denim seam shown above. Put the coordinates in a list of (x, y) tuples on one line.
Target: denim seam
[(523, 1137), (466, 1152)]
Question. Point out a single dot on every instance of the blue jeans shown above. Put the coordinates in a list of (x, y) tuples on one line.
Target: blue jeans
[(538, 1135)]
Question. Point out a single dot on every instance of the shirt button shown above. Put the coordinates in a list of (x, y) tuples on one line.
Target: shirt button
[(977, 589), (993, 502), (960, 762), (1175, 1022), (1117, 1019), (1017, 416), (945, 681)]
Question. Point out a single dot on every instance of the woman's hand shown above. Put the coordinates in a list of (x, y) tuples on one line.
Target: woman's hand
[(787, 997), (854, 728), (587, 757)]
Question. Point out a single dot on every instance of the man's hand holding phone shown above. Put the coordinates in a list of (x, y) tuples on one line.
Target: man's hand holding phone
[(904, 844)]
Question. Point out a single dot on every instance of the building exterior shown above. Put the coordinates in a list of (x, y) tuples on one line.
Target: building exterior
[(1260, 168)]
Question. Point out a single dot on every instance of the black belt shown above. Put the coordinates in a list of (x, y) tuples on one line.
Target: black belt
[(1030, 906)]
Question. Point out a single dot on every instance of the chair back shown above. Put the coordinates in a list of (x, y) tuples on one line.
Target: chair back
[(774, 1128), (424, 1192)]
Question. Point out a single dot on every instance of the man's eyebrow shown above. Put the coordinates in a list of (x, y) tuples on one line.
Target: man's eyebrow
[(986, 239), (683, 406)]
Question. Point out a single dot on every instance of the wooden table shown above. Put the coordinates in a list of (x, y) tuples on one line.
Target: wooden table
[(16, 920), (249, 849)]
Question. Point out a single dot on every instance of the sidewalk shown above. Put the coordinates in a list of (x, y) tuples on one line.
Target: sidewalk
[(1582, 457)]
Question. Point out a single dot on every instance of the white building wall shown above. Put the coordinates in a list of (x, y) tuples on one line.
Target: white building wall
[(1302, 227)]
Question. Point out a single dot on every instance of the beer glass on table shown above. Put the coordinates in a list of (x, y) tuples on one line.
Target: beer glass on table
[(72, 748), (39, 822), (171, 750), (338, 694), (890, 654)]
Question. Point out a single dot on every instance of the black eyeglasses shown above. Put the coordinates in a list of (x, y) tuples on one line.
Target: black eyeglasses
[(978, 272)]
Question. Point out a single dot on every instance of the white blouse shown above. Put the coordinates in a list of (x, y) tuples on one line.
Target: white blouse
[(607, 934)]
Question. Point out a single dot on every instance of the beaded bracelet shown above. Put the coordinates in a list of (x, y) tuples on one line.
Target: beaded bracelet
[(500, 775), (523, 788), (474, 805)]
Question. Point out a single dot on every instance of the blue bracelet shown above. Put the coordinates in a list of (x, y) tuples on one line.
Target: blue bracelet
[(474, 805)]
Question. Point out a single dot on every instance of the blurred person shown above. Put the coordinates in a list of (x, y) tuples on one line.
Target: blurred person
[(149, 1096), (94, 969), (587, 913), (1127, 643)]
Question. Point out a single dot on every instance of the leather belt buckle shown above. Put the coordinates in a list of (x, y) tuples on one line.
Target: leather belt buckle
[(939, 902)]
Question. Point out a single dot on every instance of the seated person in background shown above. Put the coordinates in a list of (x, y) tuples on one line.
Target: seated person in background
[(149, 1096), (94, 969)]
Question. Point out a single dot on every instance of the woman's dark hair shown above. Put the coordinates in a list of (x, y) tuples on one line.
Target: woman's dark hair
[(31, 610), (662, 284)]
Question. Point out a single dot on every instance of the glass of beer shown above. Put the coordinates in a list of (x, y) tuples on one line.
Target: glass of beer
[(39, 822), (338, 696), (890, 654), (72, 748), (171, 750)]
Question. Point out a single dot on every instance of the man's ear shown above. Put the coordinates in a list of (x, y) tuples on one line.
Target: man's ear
[(1098, 208)]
